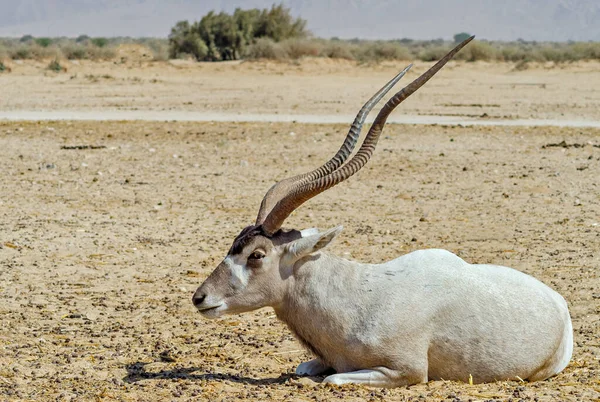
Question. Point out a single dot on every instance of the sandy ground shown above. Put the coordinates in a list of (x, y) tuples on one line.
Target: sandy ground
[(313, 87), (102, 248)]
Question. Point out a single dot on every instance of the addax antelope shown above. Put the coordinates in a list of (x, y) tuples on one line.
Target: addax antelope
[(423, 316)]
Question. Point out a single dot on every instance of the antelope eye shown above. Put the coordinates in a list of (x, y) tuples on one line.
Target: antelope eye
[(256, 255)]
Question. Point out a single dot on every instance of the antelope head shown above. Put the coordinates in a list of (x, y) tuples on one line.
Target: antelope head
[(262, 256)]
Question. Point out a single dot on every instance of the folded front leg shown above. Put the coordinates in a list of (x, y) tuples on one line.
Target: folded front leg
[(377, 377), (313, 367)]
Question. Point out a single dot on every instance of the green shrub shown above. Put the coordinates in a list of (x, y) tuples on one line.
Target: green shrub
[(3, 67), (55, 66), (461, 37), (43, 42), (184, 41), (225, 36), (100, 42), (278, 24)]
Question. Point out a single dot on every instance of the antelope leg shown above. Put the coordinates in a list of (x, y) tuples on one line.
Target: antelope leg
[(376, 377)]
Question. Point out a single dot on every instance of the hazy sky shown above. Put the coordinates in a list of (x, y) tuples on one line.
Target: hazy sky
[(557, 20)]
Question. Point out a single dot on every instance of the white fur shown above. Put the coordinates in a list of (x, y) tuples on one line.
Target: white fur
[(425, 315), (239, 275), (370, 378), (309, 232)]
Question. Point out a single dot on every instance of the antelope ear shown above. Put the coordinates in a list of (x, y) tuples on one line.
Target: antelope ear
[(312, 243)]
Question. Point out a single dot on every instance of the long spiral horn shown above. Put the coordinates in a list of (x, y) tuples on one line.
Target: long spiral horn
[(300, 194)]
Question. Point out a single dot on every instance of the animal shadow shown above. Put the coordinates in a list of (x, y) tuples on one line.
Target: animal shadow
[(137, 372)]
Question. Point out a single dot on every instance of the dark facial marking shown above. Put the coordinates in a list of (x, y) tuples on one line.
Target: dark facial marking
[(246, 235), (244, 238)]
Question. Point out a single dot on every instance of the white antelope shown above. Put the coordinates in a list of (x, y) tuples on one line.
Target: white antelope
[(426, 315)]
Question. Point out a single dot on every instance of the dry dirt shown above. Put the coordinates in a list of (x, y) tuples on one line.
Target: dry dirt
[(102, 248), (312, 87)]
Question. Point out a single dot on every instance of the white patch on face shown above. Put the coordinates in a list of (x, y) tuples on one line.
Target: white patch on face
[(239, 274), (309, 232)]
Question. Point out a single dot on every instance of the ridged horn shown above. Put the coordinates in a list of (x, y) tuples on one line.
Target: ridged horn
[(285, 186), (300, 194)]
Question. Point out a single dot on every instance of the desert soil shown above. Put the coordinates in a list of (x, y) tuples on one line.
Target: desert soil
[(313, 87), (101, 248)]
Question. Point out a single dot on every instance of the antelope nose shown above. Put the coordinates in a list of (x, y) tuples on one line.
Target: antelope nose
[(198, 299)]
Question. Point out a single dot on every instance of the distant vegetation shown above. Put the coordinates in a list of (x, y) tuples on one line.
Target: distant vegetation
[(364, 51), (227, 36), (274, 34), (80, 48), (55, 66)]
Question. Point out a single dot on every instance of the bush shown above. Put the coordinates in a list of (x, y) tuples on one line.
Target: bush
[(338, 50), (187, 39), (225, 36), (265, 48), (378, 51), (461, 37), (533, 54), (160, 48), (43, 42), (100, 53), (100, 42), (551, 53), (477, 51), (3, 67), (433, 53), (33, 51), (55, 66), (75, 52), (184, 41), (298, 48), (81, 52), (278, 24), (21, 53), (82, 39), (512, 53)]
